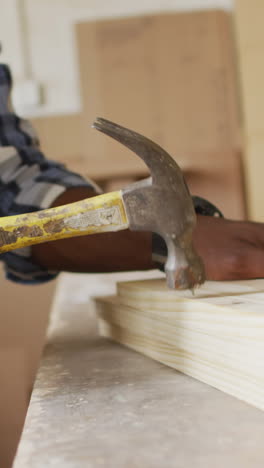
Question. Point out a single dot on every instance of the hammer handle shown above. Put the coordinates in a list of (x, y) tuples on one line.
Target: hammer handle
[(90, 216)]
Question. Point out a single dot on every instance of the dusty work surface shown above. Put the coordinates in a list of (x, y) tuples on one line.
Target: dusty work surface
[(98, 404)]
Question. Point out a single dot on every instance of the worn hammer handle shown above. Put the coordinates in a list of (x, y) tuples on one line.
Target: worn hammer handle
[(90, 216)]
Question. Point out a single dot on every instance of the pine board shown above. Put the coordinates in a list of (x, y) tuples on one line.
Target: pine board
[(216, 336)]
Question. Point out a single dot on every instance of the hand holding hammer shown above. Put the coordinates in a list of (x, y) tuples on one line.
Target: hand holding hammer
[(160, 204)]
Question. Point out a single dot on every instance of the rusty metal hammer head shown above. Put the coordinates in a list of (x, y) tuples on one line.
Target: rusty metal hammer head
[(161, 204)]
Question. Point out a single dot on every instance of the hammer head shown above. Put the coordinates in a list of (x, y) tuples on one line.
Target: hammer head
[(161, 204)]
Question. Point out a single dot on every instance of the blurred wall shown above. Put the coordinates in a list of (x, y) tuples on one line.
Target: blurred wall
[(250, 45), (38, 42)]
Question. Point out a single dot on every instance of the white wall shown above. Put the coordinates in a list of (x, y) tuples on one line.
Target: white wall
[(44, 41), (10, 37)]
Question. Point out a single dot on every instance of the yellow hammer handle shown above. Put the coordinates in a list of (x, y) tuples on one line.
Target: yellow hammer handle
[(92, 215)]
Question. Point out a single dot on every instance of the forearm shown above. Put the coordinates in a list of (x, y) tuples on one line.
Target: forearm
[(230, 249), (114, 251)]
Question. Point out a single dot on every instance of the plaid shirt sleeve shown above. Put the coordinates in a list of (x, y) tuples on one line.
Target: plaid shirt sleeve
[(28, 182)]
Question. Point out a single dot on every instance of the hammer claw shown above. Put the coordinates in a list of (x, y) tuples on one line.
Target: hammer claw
[(161, 204), (152, 154)]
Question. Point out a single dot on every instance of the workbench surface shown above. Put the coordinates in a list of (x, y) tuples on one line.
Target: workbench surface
[(98, 404)]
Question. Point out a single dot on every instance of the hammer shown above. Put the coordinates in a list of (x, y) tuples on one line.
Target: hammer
[(161, 204)]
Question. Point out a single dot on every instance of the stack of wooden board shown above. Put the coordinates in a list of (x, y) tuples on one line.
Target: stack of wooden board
[(216, 335)]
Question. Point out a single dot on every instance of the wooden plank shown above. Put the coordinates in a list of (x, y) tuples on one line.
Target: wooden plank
[(96, 403), (254, 170), (250, 37), (216, 337), (180, 73), (198, 105), (171, 77), (14, 397), (116, 84), (24, 317)]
